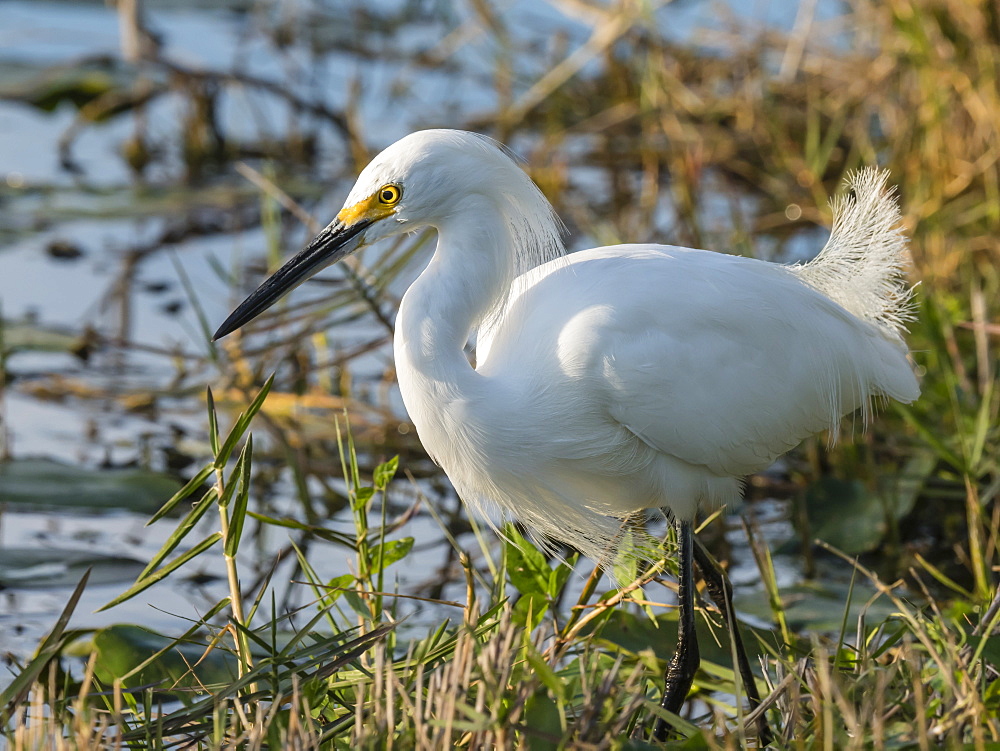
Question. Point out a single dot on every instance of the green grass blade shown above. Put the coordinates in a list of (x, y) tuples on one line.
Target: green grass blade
[(983, 422), (231, 486), (927, 434), (262, 590), (238, 512), (242, 423), (192, 295), (944, 579), (192, 485), (144, 584), (213, 421), (256, 404), (14, 694), (330, 535), (186, 525), (847, 612)]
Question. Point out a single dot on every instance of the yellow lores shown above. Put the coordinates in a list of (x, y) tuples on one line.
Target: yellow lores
[(378, 205)]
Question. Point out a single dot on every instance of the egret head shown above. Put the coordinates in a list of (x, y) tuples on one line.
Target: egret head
[(421, 180)]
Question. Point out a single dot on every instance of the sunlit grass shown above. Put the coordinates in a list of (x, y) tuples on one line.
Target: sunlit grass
[(515, 666)]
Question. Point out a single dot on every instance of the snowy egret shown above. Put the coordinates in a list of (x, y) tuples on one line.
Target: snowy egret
[(616, 379)]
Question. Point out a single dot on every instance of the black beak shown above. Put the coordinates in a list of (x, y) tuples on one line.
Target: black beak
[(329, 246)]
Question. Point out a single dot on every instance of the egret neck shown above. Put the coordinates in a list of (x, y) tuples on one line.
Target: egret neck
[(469, 275)]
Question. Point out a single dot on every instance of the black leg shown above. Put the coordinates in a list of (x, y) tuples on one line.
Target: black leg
[(684, 664), (721, 590)]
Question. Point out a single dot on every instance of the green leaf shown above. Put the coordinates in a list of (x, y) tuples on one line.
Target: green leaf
[(904, 489), (526, 566), (384, 473), (339, 584), (560, 575), (226, 450), (177, 664), (256, 404), (156, 576), (845, 514), (542, 723), (889, 635), (213, 421), (530, 609), (243, 423), (232, 485), (361, 497), (388, 553), (321, 532), (544, 672), (356, 603), (819, 606), (989, 646)]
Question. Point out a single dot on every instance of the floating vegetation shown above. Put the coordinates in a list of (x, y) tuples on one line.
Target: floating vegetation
[(43, 483)]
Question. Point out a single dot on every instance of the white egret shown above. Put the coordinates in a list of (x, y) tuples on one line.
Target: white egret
[(614, 379)]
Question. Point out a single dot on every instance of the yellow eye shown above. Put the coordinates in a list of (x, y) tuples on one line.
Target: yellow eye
[(389, 195)]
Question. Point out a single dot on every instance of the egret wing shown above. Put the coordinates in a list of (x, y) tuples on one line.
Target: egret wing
[(719, 361), (740, 363)]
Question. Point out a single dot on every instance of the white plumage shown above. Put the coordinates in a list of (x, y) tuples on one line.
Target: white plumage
[(629, 377), (614, 379)]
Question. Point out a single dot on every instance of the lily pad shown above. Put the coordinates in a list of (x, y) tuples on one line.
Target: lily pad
[(635, 633), (855, 519), (819, 607), (845, 514), (43, 483), (41, 568), (185, 665), (901, 491)]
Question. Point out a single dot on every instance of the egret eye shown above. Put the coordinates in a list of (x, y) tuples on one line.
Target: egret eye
[(389, 195)]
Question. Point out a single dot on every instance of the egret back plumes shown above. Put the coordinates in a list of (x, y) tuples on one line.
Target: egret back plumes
[(861, 266)]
